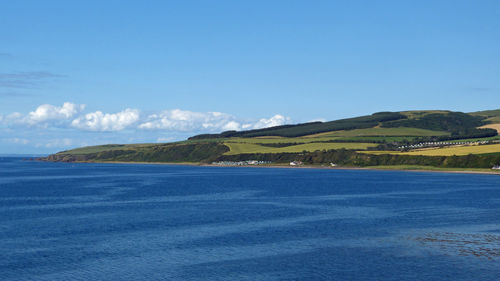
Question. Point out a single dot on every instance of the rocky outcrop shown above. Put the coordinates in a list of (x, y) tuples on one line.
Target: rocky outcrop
[(65, 158)]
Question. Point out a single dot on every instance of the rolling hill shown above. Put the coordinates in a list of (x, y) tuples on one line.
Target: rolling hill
[(363, 140)]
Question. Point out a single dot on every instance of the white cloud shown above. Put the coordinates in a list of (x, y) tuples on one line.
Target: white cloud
[(18, 140), (175, 120), (48, 112), (45, 115), (47, 127), (13, 117), (184, 120), (98, 121), (64, 142), (276, 120), (164, 139), (317, 120), (231, 126)]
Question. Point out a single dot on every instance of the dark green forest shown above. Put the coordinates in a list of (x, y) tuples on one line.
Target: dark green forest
[(352, 158)]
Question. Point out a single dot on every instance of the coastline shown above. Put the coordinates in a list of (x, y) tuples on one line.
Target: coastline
[(483, 171)]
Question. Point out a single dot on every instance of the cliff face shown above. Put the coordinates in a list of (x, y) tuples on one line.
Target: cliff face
[(197, 152), (65, 158)]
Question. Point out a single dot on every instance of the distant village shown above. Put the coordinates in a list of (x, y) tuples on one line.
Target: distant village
[(256, 162), (404, 147), (241, 163), (444, 143)]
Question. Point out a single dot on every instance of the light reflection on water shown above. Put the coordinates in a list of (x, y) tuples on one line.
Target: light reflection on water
[(116, 222)]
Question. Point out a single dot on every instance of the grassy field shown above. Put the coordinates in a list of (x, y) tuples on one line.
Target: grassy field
[(374, 139), (241, 148), (280, 140), (492, 126), (400, 131), (493, 116), (495, 119), (487, 113), (322, 138), (476, 139), (108, 147), (446, 151)]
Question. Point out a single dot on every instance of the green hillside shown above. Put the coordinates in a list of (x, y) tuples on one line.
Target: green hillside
[(175, 152), (243, 148), (492, 116), (384, 138), (384, 132), (487, 113)]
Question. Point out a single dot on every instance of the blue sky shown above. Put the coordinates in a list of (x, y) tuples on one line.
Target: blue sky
[(78, 73)]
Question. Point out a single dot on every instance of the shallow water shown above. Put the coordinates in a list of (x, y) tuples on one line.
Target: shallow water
[(61, 221)]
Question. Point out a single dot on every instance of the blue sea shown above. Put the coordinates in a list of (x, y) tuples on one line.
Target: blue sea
[(66, 221)]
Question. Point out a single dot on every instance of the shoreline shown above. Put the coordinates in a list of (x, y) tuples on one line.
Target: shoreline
[(483, 171)]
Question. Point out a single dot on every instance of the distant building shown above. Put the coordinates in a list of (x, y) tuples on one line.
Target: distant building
[(295, 163), (241, 163), (496, 167), (333, 165)]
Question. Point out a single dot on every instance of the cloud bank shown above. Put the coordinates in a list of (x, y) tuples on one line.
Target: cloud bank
[(184, 120), (98, 121), (53, 126), (70, 115), (46, 113)]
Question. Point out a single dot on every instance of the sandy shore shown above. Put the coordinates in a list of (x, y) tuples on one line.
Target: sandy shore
[(284, 166)]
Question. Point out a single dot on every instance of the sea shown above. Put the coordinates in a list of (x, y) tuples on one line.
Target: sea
[(69, 221)]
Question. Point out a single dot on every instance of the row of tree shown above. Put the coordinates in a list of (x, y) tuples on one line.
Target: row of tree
[(352, 158)]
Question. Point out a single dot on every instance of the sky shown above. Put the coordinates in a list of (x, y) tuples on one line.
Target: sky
[(75, 73)]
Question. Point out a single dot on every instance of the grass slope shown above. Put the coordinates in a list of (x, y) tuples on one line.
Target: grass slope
[(487, 113), (248, 148), (173, 152), (279, 140), (493, 126), (107, 147), (492, 116), (446, 151), (399, 131)]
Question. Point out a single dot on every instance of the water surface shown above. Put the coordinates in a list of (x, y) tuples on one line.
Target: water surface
[(61, 221)]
